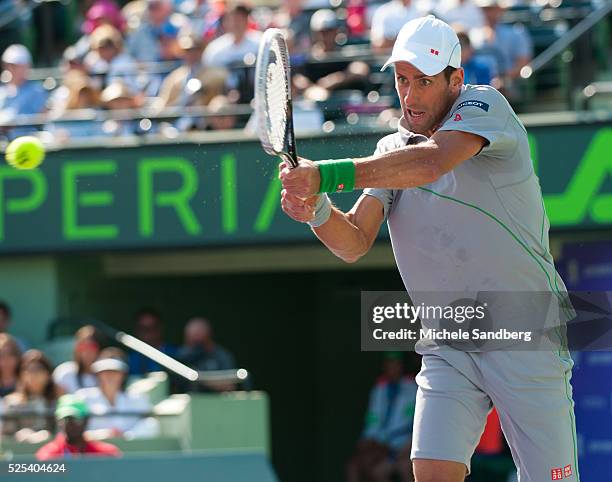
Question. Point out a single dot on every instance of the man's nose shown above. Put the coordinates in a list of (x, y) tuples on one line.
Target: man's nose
[(409, 96)]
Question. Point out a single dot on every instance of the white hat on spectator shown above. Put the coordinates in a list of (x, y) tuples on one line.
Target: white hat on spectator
[(17, 54), (324, 19), (429, 44), (109, 364)]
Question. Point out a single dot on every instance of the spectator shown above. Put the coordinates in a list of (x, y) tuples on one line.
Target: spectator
[(10, 356), (384, 448), (5, 322), (76, 374), (103, 12), (72, 416), (463, 13), (108, 62), (206, 19), (220, 120), (117, 96), (509, 45), (236, 50), (110, 397), (149, 328), (389, 18), (177, 91), (320, 77), (232, 47), (292, 18), (475, 70), (144, 44), (27, 407), (202, 353), (18, 96), (78, 91)]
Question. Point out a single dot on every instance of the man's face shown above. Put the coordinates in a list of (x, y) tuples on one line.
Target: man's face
[(328, 38), (196, 334), (73, 427), (107, 51), (19, 73), (111, 380), (237, 23), (425, 99), (493, 14), (149, 329), (159, 10)]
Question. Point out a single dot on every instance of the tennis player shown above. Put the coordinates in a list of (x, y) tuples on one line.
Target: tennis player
[(465, 212)]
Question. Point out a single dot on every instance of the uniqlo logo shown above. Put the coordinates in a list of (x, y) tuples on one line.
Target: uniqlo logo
[(567, 471), (434, 52), (556, 473)]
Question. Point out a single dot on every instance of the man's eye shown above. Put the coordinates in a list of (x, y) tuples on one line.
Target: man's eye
[(401, 80), (425, 82)]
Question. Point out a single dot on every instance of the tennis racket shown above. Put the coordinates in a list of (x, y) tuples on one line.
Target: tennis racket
[(273, 107)]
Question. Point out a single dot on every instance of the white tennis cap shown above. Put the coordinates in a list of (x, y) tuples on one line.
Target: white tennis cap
[(17, 54), (429, 44)]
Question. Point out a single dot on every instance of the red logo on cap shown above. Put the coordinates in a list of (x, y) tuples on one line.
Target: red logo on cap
[(435, 52), (556, 474), (458, 117), (567, 471)]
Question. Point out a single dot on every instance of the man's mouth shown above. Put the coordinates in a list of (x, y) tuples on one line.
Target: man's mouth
[(415, 114)]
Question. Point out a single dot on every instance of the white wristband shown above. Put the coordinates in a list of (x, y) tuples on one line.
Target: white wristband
[(322, 211)]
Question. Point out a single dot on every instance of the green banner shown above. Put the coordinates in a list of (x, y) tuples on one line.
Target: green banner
[(181, 195)]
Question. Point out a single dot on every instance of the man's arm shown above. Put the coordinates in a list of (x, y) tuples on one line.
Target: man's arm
[(418, 164), (351, 235), (348, 235), (404, 168)]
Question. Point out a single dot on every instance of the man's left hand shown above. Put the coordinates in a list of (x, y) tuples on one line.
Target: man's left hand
[(302, 181)]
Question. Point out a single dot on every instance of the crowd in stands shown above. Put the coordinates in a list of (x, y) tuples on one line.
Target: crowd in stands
[(152, 56), (383, 450), (36, 397)]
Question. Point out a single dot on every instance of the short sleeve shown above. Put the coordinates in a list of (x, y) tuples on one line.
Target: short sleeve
[(485, 112), (385, 196), (386, 144)]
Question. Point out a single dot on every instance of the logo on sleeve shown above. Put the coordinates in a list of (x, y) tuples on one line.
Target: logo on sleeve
[(567, 471), (559, 473), (474, 103)]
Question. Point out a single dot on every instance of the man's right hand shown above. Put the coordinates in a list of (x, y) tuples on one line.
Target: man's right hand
[(302, 210)]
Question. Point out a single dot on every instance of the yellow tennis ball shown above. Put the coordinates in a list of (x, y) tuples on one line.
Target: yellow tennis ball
[(25, 152)]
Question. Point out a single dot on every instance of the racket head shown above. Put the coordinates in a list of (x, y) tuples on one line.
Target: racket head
[(273, 97)]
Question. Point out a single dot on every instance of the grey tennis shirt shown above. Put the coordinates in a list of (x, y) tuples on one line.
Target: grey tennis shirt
[(482, 226)]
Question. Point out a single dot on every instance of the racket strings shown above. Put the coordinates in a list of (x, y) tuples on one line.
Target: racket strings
[(276, 93)]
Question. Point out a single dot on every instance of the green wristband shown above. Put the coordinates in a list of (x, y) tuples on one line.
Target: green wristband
[(337, 176)]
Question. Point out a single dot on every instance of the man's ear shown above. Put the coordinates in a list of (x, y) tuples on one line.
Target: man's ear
[(457, 78)]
